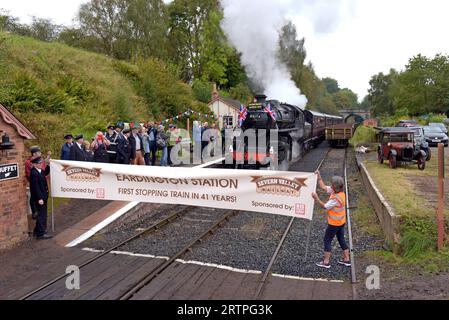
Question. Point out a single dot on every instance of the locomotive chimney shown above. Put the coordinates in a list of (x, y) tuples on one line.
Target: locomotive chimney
[(261, 98)]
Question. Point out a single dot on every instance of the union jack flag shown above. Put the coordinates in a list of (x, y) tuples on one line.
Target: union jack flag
[(270, 112), (242, 114)]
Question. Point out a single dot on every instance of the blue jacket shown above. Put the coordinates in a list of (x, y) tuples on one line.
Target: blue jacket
[(65, 152)]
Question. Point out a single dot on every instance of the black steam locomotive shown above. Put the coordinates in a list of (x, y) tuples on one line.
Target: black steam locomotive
[(298, 131)]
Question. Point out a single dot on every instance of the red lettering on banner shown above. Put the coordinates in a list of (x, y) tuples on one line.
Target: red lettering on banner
[(100, 193), (300, 209)]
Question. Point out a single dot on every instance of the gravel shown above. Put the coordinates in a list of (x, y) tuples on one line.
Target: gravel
[(292, 260), (165, 242), (247, 241)]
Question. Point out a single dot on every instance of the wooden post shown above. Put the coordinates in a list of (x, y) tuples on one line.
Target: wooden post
[(440, 211)]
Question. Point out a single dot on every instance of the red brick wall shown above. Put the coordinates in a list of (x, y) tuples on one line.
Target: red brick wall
[(13, 206)]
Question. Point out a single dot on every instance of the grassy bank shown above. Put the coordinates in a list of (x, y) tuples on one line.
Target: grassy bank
[(413, 195), (55, 89)]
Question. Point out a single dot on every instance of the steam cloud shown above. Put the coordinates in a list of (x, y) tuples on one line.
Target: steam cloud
[(253, 27)]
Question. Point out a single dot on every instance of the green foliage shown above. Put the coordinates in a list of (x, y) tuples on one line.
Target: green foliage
[(56, 89), (345, 99), (163, 92), (242, 93), (418, 237), (202, 91), (421, 88), (380, 95), (331, 85), (436, 118), (364, 136)]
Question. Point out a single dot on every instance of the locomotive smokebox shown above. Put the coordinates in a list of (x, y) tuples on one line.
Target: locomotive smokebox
[(261, 98)]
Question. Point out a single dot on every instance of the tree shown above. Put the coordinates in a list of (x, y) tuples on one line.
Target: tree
[(145, 29), (292, 52), (380, 92), (187, 24), (331, 85), (345, 99), (104, 19), (365, 104), (44, 29), (424, 86)]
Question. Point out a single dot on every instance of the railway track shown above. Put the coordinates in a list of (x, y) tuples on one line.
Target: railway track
[(264, 278), (148, 276), (146, 231)]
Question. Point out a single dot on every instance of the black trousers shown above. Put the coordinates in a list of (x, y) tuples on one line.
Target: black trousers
[(33, 205), (41, 221), (153, 152), (169, 157), (331, 232)]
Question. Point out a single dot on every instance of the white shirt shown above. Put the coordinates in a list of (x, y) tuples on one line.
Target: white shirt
[(331, 203)]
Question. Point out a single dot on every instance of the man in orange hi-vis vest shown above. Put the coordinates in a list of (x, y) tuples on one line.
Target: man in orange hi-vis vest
[(336, 218)]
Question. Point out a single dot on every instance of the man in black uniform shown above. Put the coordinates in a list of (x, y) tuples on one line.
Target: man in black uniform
[(39, 192), (124, 148), (112, 137), (77, 151)]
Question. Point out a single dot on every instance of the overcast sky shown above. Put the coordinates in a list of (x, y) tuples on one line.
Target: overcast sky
[(369, 36)]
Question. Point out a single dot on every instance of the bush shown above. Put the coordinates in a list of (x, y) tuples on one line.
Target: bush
[(202, 91), (437, 118), (419, 236), (364, 136)]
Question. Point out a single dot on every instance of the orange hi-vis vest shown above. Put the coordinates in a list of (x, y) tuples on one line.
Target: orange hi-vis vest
[(337, 215)]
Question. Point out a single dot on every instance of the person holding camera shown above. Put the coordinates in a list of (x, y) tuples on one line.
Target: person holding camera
[(100, 148)]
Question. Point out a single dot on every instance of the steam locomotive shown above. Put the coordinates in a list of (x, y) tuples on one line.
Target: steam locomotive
[(298, 130)]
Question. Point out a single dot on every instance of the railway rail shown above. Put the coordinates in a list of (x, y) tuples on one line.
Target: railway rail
[(268, 271), (159, 268)]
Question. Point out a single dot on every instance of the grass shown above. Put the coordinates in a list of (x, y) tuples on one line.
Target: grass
[(398, 187), (56, 89), (418, 226), (366, 218)]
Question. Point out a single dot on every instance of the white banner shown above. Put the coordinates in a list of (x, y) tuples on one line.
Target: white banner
[(279, 193)]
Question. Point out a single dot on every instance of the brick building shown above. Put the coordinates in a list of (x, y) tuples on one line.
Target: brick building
[(13, 200)]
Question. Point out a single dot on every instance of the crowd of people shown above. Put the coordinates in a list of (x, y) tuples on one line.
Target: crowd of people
[(137, 145)]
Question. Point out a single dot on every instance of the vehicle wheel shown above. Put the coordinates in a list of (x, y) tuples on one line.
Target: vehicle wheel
[(393, 162), (380, 159), (429, 154), (421, 163)]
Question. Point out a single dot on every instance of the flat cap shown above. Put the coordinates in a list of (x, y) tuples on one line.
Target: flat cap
[(35, 149)]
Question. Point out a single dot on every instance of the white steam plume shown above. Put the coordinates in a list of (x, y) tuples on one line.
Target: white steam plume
[(253, 27)]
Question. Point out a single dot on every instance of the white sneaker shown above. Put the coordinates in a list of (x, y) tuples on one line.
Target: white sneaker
[(344, 263), (323, 265)]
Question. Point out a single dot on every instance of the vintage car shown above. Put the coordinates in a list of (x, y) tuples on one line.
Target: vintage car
[(398, 145)]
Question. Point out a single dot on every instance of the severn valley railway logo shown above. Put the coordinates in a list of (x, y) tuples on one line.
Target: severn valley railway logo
[(279, 186), (76, 174)]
